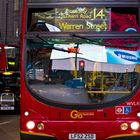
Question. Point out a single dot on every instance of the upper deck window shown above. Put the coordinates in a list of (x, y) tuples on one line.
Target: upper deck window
[(70, 19), (82, 19)]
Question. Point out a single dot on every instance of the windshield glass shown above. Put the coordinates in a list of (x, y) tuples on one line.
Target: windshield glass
[(12, 58), (74, 70)]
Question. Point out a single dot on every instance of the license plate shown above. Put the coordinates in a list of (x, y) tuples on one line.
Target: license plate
[(82, 136), (7, 108)]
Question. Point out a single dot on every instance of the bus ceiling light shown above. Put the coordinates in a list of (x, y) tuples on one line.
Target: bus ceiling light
[(138, 114), (124, 126), (7, 73), (30, 125), (135, 125), (12, 63), (40, 126), (9, 47)]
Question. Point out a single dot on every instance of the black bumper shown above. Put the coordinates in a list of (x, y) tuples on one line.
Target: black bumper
[(136, 137), (24, 136)]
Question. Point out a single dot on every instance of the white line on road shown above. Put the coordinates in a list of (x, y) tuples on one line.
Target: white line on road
[(6, 122)]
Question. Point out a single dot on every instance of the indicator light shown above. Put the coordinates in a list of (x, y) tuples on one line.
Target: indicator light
[(26, 113), (40, 126), (124, 126)]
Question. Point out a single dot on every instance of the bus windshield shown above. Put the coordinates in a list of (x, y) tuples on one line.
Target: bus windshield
[(84, 72)]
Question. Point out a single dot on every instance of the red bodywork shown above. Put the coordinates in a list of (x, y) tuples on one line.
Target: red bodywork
[(59, 122), (3, 64)]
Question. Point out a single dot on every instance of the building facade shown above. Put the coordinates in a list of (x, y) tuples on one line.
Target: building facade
[(10, 21)]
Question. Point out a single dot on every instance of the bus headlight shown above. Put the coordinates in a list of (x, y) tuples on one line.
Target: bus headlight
[(135, 125), (30, 125), (124, 126), (138, 114), (40, 126)]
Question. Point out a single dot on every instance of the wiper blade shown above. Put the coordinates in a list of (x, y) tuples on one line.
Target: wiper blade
[(44, 41), (51, 46), (126, 43), (87, 39), (96, 42)]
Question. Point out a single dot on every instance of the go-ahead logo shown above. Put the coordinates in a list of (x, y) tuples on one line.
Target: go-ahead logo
[(75, 114), (127, 56)]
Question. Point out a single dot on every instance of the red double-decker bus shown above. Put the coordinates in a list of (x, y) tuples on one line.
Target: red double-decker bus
[(9, 78), (80, 70)]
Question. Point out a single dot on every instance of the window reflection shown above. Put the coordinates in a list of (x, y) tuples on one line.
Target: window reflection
[(80, 79)]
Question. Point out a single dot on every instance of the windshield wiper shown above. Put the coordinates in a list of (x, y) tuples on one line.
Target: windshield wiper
[(84, 38), (96, 42), (108, 42), (51, 46)]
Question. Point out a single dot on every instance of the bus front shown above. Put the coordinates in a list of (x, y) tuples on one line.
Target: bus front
[(80, 72), (9, 78)]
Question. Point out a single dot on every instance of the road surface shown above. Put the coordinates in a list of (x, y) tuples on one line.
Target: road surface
[(9, 127)]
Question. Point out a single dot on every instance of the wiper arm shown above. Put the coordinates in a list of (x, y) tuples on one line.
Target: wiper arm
[(51, 46), (44, 41), (100, 42), (87, 39), (97, 42), (105, 43)]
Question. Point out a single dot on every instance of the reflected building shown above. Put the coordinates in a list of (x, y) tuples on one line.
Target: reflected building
[(10, 21)]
